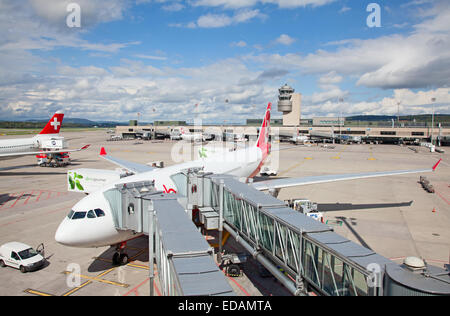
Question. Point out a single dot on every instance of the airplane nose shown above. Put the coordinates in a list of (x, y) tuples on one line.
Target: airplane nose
[(62, 235)]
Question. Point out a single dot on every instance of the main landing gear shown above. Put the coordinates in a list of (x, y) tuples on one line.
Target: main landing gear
[(120, 258)]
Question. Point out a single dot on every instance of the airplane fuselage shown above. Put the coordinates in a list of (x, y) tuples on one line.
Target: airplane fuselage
[(101, 231), (23, 145)]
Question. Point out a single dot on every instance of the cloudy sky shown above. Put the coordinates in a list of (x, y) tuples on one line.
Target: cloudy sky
[(161, 58)]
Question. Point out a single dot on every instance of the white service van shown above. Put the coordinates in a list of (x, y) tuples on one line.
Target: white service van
[(20, 256)]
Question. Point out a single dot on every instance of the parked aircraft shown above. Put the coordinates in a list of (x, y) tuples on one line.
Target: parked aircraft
[(90, 223), (46, 142)]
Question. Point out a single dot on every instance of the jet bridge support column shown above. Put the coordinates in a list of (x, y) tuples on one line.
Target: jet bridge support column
[(220, 219), (151, 250)]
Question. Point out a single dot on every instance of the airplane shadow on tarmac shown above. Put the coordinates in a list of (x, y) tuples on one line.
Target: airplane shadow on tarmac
[(335, 207), (137, 249), (37, 173)]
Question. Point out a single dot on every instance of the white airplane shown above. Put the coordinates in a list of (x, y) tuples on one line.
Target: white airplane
[(191, 137), (299, 139), (90, 223), (39, 144)]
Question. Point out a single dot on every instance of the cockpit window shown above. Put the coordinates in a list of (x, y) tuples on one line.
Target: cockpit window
[(99, 212), (70, 214), (79, 215), (91, 214)]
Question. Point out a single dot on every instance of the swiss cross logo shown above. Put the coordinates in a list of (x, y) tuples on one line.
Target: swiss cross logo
[(55, 123)]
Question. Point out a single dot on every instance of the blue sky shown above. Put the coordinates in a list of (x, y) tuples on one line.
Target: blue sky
[(161, 57)]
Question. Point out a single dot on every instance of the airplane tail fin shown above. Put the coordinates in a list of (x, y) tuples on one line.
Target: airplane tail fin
[(54, 124), (263, 139)]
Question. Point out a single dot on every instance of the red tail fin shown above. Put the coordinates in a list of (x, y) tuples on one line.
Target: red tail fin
[(54, 125), (263, 139)]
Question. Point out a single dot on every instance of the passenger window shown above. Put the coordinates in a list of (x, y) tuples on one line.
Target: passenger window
[(79, 215), (91, 214), (99, 212), (70, 214)]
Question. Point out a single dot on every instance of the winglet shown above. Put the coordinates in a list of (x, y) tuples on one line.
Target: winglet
[(437, 164), (103, 152)]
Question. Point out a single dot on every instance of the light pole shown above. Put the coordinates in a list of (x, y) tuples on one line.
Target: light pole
[(341, 100), (432, 121)]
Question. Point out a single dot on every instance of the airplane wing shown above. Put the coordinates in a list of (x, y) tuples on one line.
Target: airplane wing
[(292, 182), (43, 152), (131, 166)]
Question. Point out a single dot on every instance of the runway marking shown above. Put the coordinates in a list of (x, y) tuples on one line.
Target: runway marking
[(98, 279), (77, 288), (38, 293), (135, 290), (291, 168), (29, 196), (443, 198), (87, 282), (16, 199)]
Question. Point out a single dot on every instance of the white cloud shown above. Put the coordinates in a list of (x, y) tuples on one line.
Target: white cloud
[(234, 4), (420, 59), (222, 20), (142, 56), (285, 39), (238, 44)]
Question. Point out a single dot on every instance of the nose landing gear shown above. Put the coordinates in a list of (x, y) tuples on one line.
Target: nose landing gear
[(120, 258)]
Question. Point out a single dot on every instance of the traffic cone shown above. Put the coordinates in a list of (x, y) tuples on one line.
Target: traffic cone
[(434, 210)]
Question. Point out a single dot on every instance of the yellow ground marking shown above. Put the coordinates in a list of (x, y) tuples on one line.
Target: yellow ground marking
[(139, 266), (77, 288), (87, 282), (291, 168), (39, 293), (308, 158), (99, 280), (371, 158), (224, 240)]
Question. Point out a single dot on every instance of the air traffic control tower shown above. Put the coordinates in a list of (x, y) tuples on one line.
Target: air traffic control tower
[(289, 103)]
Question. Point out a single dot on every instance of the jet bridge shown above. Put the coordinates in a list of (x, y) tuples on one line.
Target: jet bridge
[(311, 256), (184, 259)]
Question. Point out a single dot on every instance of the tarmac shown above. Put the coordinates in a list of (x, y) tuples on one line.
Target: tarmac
[(394, 216)]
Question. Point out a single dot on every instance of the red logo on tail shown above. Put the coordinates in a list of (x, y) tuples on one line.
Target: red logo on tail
[(54, 125)]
